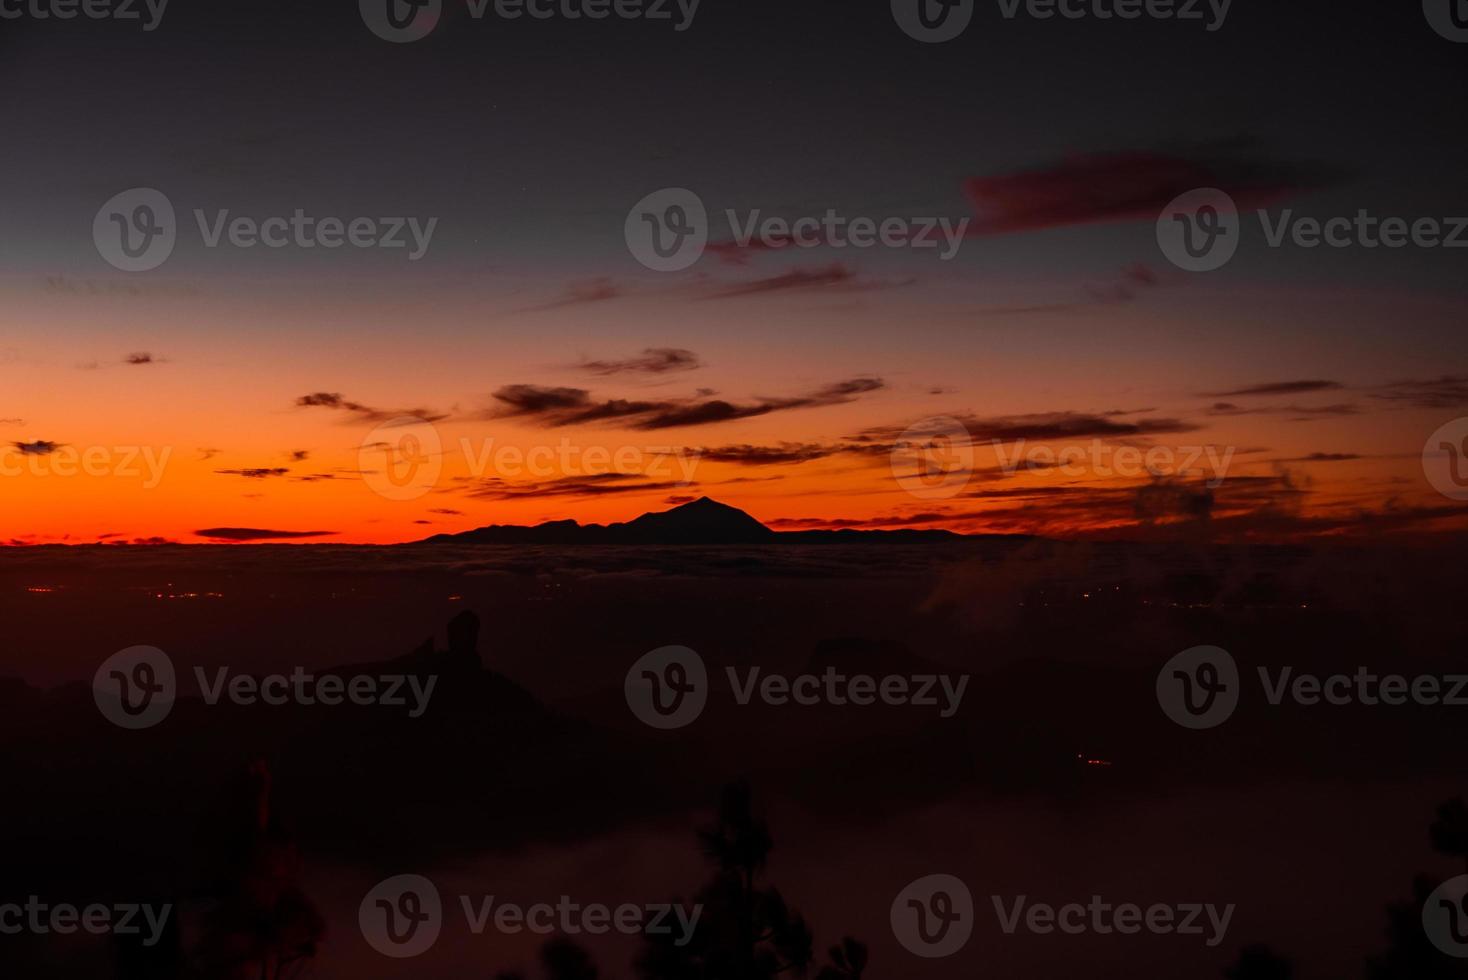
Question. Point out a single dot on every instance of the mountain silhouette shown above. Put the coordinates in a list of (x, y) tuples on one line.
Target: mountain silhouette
[(701, 522)]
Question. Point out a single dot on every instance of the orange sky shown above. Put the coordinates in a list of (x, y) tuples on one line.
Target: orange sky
[(206, 435)]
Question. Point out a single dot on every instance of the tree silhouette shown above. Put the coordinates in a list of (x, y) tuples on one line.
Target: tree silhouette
[(1260, 963), (848, 961), (746, 931), (262, 926), (1449, 831), (561, 960), (1410, 955)]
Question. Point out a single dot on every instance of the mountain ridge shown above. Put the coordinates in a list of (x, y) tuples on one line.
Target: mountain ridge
[(704, 521)]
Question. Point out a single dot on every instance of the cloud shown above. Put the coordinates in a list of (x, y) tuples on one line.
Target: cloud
[(785, 452), (141, 357), (579, 294), (1038, 427), (653, 360), (257, 534), (553, 407), (365, 413), (41, 447), (1448, 391), (447, 511), (1277, 388), (870, 523), (1324, 458), (1128, 285), (299, 455), (833, 277), (1300, 413), (256, 472), (1128, 186), (593, 485)]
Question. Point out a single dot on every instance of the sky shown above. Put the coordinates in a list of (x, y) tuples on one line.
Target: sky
[(526, 366)]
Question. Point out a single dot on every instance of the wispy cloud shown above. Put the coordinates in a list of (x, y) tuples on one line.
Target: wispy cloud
[(554, 407), (357, 411), (653, 360), (257, 534), (1277, 388)]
